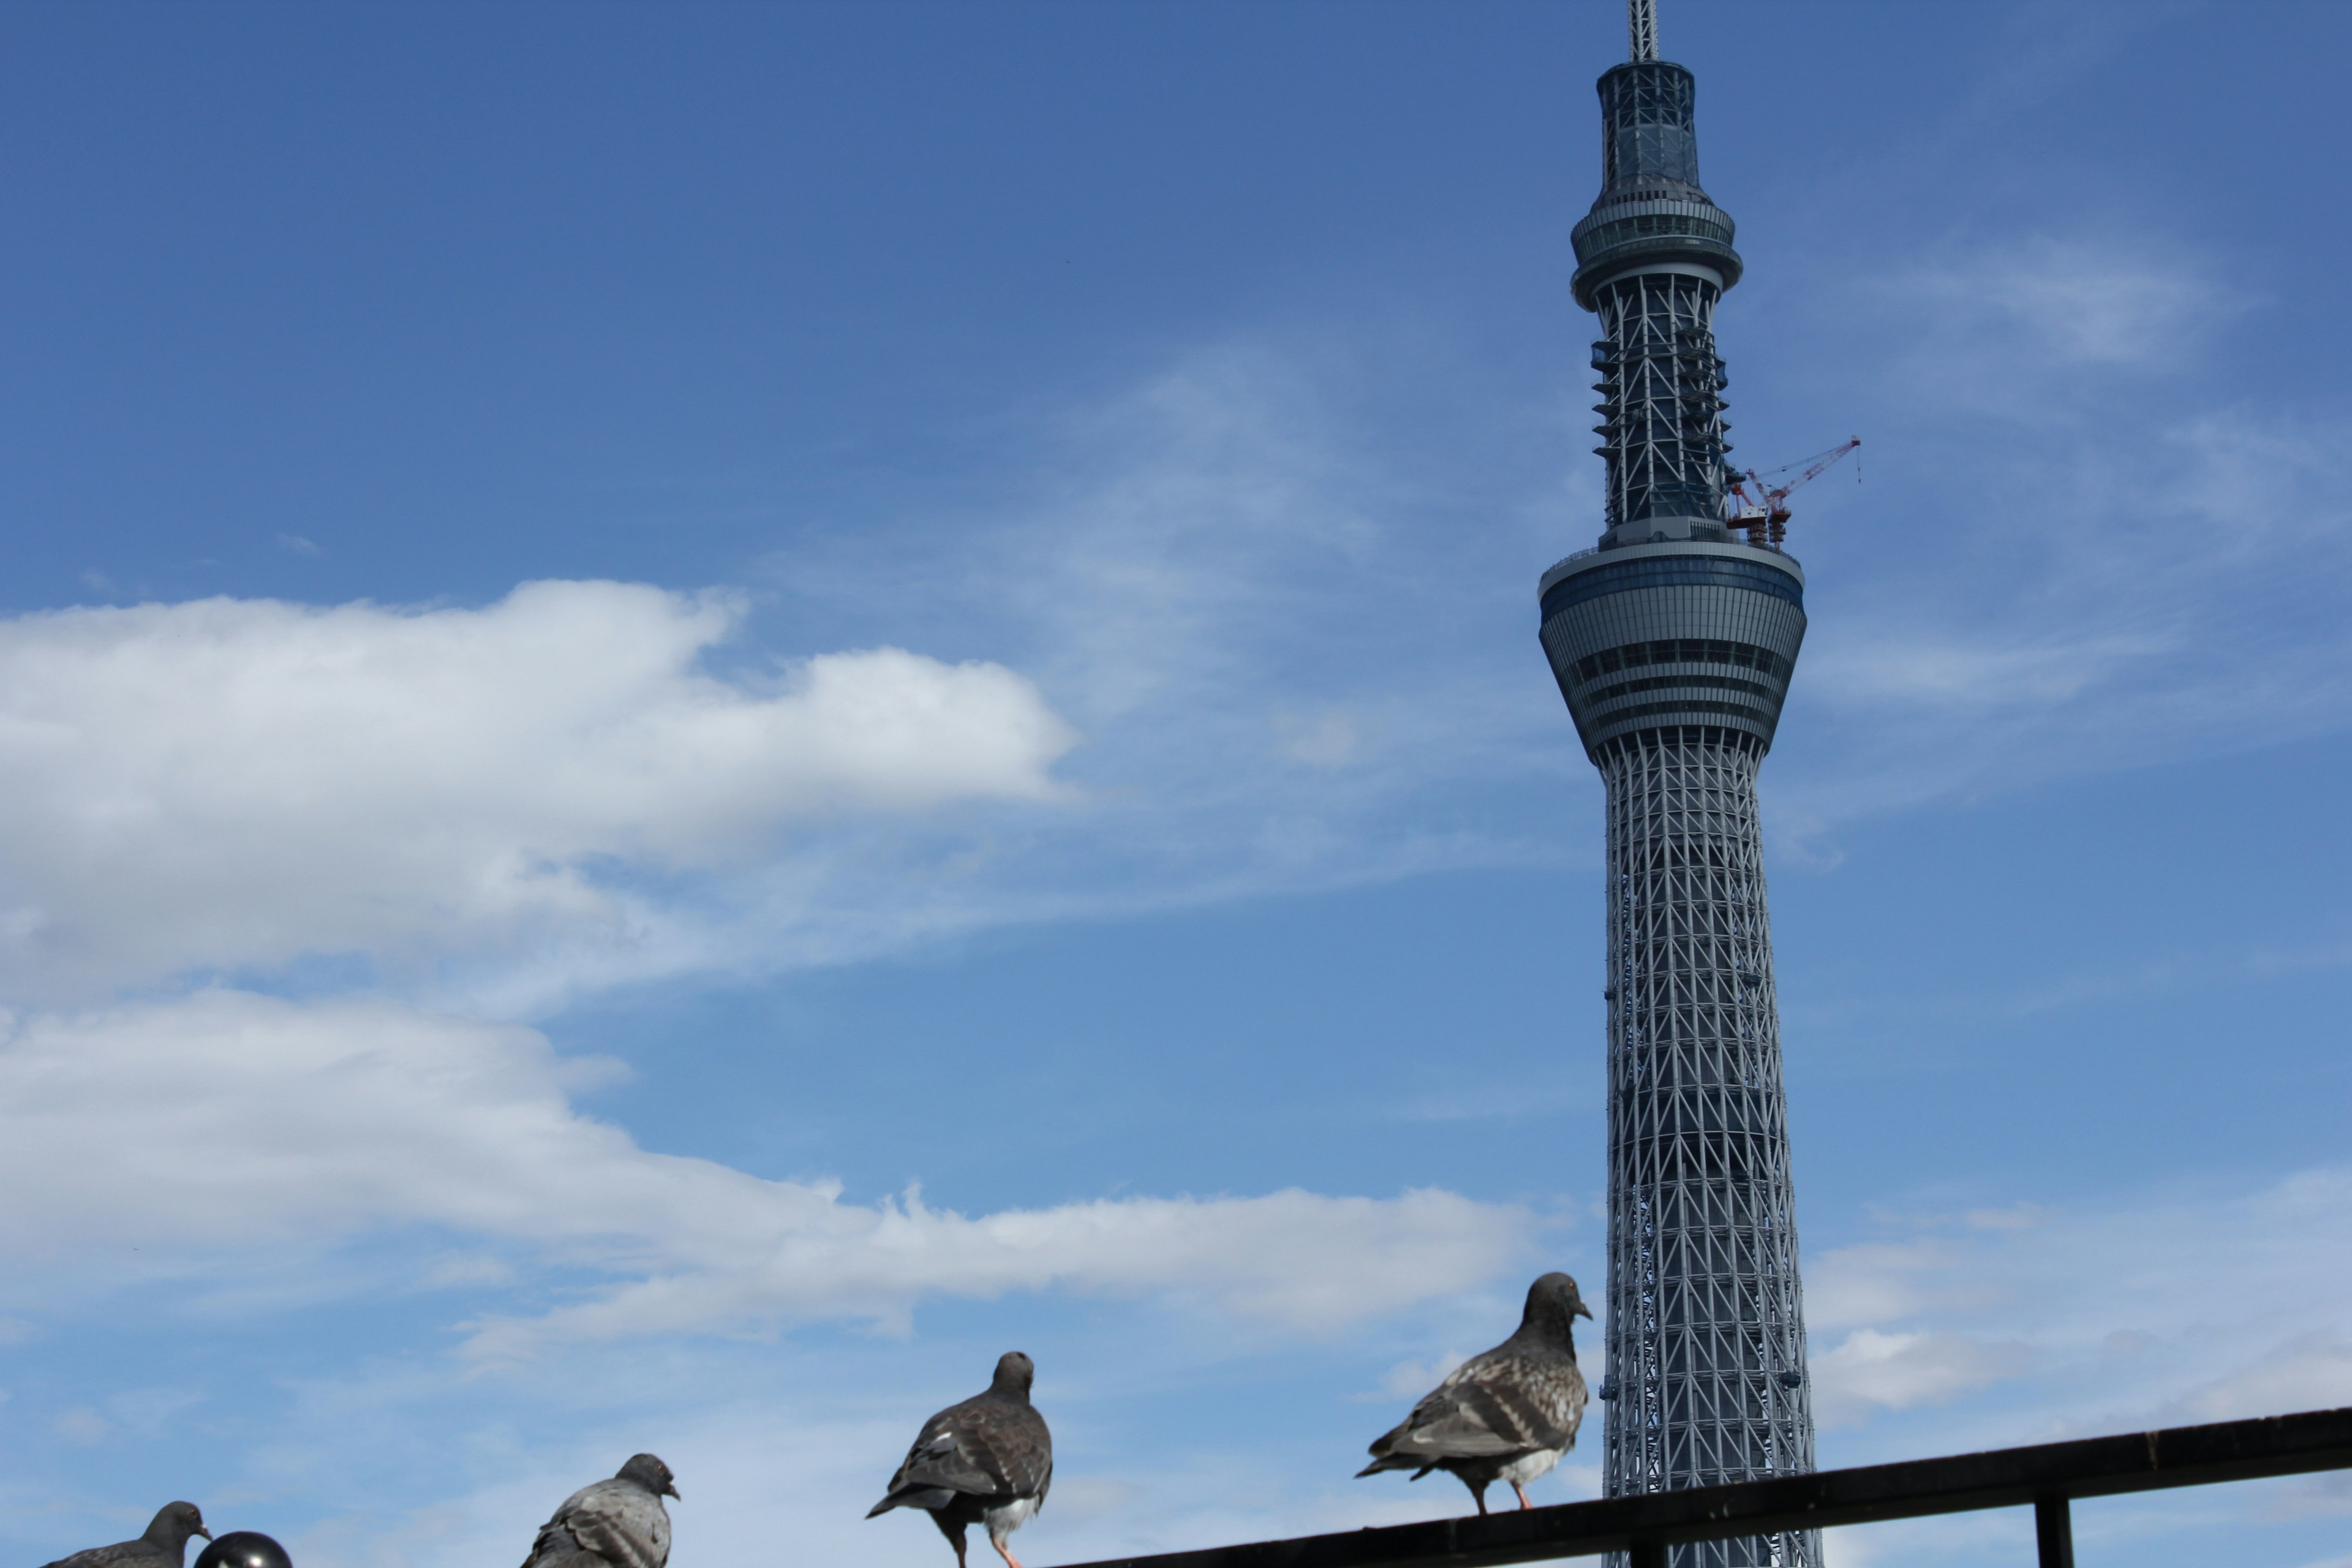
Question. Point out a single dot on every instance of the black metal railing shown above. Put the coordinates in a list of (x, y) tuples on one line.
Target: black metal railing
[(2046, 1478)]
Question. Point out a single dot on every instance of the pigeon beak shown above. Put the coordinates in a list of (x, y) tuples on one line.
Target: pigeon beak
[(672, 1489), (1583, 1310), (203, 1531)]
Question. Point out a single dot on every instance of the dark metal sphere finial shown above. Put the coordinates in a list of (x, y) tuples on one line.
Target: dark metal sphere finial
[(245, 1549)]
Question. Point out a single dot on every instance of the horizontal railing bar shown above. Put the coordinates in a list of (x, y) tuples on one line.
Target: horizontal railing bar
[(2002, 1477)]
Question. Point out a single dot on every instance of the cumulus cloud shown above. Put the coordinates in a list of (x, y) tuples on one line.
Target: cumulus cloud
[(232, 1120), (238, 782)]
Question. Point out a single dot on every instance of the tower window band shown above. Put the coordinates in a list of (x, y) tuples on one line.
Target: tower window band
[(1681, 651)]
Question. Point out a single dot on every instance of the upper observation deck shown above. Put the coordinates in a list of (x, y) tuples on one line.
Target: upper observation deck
[(1652, 215)]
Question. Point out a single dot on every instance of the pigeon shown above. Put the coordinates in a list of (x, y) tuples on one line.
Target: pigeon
[(621, 1522), (986, 1461), (165, 1544), (1507, 1413)]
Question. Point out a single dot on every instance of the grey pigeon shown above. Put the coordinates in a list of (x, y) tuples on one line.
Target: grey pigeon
[(986, 1461), (620, 1523), (165, 1544), (1505, 1415)]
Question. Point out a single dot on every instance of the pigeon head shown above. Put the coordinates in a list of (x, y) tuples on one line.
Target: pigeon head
[(1553, 1307), (1014, 1373), (649, 1473), (173, 1523)]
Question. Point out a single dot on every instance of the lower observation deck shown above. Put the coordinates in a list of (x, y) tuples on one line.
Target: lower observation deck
[(1684, 633)]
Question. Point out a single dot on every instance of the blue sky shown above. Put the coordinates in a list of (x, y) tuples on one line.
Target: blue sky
[(709, 711)]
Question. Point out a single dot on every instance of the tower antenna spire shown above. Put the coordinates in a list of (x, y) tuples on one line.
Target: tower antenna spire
[(1641, 26)]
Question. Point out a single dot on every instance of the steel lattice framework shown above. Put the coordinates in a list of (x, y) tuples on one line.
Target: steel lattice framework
[(1673, 642), (1706, 1340), (1661, 391)]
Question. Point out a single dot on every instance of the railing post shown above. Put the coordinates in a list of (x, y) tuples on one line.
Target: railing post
[(1647, 1554), (2054, 1532)]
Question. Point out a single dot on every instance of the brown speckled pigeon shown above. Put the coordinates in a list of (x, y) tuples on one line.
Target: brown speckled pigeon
[(986, 1461), (165, 1544), (1505, 1415), (619, 1523)]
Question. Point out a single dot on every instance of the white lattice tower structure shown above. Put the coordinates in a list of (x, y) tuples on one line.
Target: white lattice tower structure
[(1673, 641), (1641, 30)]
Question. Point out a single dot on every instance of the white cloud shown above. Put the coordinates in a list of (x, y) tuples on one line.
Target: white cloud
[(1874, 1282), (2175, 1309), (2118, 304), (1211, 581), (816, 1463), (2074, 554), (82, 1425), (1279, 664), (234, 1122), (1945, 675), (1332, 739), (1299, 664), (2087, 614), (238, 782), (2310, 1371), (1894, 1372), (2027, 1324), (1294, 671), (1411, 1379), (1301, 1261)]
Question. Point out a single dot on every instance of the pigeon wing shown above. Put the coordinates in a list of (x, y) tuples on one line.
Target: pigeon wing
[(121, 1554), (948, 1453), (1494, 1405), (1017, 1449), (616, 1520), (625, 1525), (95, 1557)]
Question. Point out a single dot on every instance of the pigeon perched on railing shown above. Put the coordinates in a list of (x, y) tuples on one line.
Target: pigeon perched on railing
[(1505, 1415), (165, 1544), (621, 1522), (986, 1461)]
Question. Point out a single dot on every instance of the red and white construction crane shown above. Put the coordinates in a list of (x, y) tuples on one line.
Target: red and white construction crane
[(1764, 508)]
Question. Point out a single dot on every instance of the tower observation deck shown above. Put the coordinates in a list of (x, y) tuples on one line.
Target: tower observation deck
[(1673, 641)]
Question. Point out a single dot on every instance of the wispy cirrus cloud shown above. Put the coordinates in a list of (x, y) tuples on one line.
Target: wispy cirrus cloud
[(2064, 1319), (2075, 303), (1989, 1328), (2096, 562)]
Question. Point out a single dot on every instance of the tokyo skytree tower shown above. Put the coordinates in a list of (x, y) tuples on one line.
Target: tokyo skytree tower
[(1673, 641)]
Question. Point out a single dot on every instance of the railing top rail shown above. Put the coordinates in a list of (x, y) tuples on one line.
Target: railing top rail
[(2001, 1478)]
